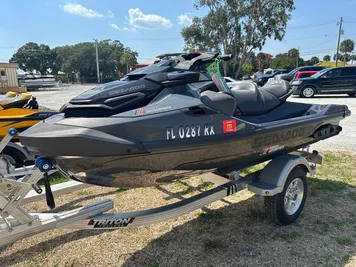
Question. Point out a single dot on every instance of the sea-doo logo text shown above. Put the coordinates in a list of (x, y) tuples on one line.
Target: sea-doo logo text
[(269, 139), (156, 109), (111, 223), (125, 90), (190, 131)]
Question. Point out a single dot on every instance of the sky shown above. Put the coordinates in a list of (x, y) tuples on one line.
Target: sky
[(153, 27)]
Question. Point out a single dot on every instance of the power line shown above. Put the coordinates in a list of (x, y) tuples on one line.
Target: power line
[(316, 51), (322, 43), (312, 25)]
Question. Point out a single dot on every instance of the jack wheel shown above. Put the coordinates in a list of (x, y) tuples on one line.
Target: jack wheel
[(285, 207)]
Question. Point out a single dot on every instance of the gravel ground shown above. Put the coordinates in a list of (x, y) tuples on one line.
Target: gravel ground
[(55, 98)]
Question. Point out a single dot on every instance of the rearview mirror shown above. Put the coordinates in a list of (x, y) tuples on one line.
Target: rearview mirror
[(323, 77)]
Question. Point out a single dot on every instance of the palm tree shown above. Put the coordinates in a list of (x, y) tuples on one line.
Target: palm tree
[(346, 46)]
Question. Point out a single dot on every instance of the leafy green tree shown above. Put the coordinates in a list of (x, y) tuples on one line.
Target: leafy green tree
[(314, 60), (283, 61), (80, 58), (326, 58), (346, 47), (33, 57), (237, 26), (293, 53), (247, 69)]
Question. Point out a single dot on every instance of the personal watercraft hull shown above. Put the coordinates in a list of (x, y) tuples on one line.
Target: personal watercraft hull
[(151, 149)]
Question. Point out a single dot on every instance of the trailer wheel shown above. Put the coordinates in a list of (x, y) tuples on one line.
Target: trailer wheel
[(285, 207), (14, 156)]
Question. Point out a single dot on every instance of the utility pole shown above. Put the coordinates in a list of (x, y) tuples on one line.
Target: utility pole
[(338, 41), (97, 60), (297, 58)]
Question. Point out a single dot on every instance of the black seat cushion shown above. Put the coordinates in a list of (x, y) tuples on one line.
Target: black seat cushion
[(223, 102), (252, 100), (277, 87)]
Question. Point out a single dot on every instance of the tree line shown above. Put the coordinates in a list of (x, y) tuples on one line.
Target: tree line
[(78, 59), (239, 27)]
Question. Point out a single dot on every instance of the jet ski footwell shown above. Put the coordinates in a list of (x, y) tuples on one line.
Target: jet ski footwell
[(282, 178)]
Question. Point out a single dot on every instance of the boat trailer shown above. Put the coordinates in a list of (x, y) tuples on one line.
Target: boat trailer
[(282, 182)]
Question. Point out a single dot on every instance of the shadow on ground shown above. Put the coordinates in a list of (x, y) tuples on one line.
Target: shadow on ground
[(239, 234)]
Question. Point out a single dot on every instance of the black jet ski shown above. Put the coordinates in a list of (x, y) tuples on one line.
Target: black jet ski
[(177, 123)]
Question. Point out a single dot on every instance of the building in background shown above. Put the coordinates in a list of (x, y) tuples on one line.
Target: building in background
[(9, 79)]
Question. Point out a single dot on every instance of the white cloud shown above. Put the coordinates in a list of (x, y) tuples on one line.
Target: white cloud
[(185, 19), (111, 14), (79, 10), (148, 21), (114, 26)]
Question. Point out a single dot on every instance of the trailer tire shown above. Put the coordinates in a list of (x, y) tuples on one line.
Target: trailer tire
[(16, 157), (275, 205)]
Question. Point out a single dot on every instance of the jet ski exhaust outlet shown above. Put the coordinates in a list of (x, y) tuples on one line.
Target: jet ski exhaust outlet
[(272, 182)]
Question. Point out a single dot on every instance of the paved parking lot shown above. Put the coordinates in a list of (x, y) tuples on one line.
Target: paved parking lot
[(55, 98)]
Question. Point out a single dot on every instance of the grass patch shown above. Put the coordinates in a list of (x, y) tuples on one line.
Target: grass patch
[(352, 195), (338, 166), (347, 258), (83, 193), (210, 215), (319, 185), (252, 169), (287, 236), (321, 227), (345, 241), (255, 214), (210, 244), (205, 186), (340, 223), (56, 178), (120, 190)]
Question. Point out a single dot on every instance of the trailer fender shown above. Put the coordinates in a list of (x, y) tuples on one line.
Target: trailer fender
[(273, 177), (21, 149)]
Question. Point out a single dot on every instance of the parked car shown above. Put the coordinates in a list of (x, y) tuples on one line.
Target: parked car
[(262, 79), (341, 80), (289, 76), (304, 74), (230, 81)]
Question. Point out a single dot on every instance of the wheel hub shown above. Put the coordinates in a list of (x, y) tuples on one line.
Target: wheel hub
[(308, 92), (294, 196)]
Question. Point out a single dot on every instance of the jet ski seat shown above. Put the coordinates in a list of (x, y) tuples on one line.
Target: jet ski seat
[(247, 99), (252, 100)]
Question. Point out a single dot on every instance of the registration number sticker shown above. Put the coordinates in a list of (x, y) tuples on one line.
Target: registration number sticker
[(189, 131)]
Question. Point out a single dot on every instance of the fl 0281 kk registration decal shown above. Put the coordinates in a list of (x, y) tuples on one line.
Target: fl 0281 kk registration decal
[(190, 131)]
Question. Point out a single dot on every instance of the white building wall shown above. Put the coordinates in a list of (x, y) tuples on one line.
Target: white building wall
[(11, 75)]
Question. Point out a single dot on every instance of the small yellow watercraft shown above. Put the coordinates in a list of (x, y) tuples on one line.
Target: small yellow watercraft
[(14, 114)]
